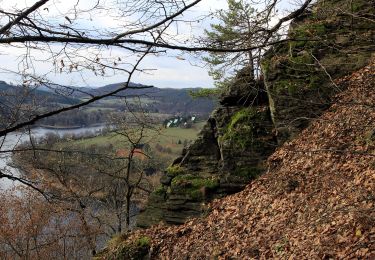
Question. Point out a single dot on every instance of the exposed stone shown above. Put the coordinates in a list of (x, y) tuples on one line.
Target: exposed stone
[(227, 154), (233, 146), (299, 74), (244, 91), (165, 180)]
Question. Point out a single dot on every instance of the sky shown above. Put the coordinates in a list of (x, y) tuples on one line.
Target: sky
[(172, 70)]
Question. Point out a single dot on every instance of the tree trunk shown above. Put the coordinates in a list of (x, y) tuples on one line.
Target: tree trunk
[(128, 211)]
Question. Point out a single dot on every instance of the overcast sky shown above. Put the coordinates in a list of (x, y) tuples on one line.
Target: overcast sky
[(174, 70)]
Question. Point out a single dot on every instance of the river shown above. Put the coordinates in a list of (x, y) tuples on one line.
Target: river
[(13, 139)]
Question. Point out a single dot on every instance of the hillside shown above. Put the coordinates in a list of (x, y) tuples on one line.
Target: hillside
[(10, 95), (162, 100), (316, 200), (257, 116)]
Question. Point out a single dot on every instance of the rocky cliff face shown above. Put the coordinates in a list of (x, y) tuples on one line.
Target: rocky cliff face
[(228, 153), (331, 40)]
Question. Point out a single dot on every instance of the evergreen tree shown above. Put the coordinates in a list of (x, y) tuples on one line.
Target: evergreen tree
[(240, 26)]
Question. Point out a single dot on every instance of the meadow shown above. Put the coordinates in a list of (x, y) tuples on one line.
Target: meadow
[(165, 142)]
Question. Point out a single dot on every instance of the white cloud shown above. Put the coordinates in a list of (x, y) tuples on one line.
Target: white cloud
[(170, 70)]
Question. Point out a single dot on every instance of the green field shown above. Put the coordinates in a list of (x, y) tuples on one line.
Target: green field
[(171, 139)]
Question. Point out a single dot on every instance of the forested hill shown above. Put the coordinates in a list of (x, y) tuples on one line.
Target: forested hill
[(159, 101), (162, 100), (12, 94)]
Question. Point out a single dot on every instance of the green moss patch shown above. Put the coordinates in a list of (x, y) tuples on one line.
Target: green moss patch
[(161, 190), (120, 247), (194, 186), (175, 170), (306, 35), (144, 241), (245, 127)]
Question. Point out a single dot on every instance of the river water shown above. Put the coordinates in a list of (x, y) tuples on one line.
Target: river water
[(10, 142)]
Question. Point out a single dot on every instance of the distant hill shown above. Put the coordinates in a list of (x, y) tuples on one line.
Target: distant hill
[(162, 100), (11, 94), (154, 100), (112, 87)]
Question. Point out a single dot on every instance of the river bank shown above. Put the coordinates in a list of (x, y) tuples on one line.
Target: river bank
[(64, 127), (12, 140)]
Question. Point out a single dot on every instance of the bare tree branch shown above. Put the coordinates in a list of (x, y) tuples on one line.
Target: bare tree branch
[(22, 16)]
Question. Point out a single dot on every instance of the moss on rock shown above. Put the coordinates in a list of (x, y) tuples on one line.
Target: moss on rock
[(195, 187), (120, 247), (245, 128), (331, 40), (175, 170)]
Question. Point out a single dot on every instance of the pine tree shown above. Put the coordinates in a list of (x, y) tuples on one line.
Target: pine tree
[(239, 27)]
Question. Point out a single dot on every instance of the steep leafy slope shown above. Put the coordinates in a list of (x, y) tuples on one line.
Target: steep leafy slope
[(315, 201)]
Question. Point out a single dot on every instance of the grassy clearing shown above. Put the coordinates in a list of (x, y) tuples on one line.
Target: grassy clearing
[(111, 138), (174, 137)]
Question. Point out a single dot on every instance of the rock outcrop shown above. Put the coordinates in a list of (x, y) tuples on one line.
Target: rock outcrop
[(332, 39), (228, 153)]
